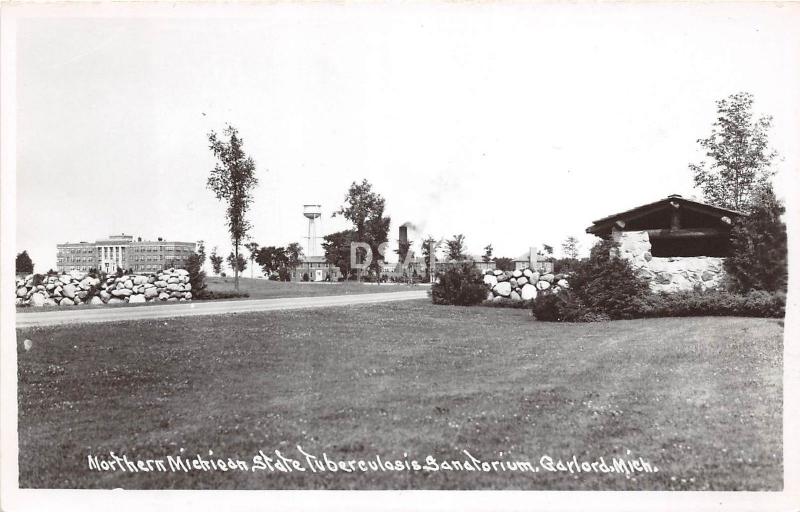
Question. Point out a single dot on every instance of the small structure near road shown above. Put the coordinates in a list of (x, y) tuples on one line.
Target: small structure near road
[(677, 244)]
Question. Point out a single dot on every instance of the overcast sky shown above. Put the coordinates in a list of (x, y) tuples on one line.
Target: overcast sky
[(513, 124)]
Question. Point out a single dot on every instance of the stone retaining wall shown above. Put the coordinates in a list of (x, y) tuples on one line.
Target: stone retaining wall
[(669, 274), (523, 284), (78, 288)]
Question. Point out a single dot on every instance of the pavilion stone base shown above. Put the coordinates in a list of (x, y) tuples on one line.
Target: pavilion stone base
[(671, 274)]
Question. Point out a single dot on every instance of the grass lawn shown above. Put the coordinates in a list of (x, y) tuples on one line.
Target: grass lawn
[(266, 289), (700, 398)]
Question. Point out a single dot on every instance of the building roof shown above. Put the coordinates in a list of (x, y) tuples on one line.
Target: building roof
[(314, 259), (602, 227)]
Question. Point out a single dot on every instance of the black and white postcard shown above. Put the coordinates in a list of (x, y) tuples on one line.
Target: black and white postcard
[(399, 256)]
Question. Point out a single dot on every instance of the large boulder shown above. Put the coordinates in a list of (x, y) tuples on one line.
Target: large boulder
[(513, 282), (522, 281), (173, 287), (104, 296), (489, 279), (188, 295), (528, 292), (129, 284), (533, 277), (22, 291), (563, 283), (150, 293), (516, 273), (503, 277), (69, 291), (66, 301), (543, 285), (182, 272), (137, 299), (96, 301), (498, 272), (139, 279), (548, 277), (50, 302), (163, 296), (114, 300), (124, 292), (527, 273), (502, 289), (64, 278), (515, 296)]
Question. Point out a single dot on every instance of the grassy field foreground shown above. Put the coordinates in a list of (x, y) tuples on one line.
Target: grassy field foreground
[(700, 398)]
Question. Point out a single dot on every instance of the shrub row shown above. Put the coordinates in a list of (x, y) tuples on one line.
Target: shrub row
[(564, 307)]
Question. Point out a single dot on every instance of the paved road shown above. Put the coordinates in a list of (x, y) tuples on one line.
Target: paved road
[(114, 314)]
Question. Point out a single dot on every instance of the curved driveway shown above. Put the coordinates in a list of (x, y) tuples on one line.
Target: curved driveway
[(120, 313)]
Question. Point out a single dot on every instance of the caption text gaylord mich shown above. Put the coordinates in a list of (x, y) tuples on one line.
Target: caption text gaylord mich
[(277, 462)]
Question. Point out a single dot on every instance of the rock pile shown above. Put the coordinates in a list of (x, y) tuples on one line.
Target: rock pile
[(78, 288), (521, 284)]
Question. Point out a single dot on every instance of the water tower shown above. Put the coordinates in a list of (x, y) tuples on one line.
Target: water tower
[(312, 212)]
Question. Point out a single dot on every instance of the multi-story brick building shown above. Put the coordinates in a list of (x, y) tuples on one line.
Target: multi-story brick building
[(124, 252)]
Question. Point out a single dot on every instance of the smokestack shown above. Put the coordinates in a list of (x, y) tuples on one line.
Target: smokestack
[(403, 234)]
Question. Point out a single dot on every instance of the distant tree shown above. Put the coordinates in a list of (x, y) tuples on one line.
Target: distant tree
[(294, 255), (547, 249), (740, 159), (232, 180), (337, 250), (364, 209), (232, 259), (272, 259), (456, 248), (759, 251), (252, 248), (429, 254), (487, 253), (24, 263), (504, 263), (201, 252), (216, 262), (570, 247), (403, 248)]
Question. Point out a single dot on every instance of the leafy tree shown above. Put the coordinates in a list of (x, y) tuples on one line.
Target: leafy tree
[(759, 250), (232, 259), (504, 263), (429, 254), (216, 262), (272, 259), (456, 248), (252, 248), (201, 252), (337, 250), (294, 254), (197, 277), (364, 209), (403, 248), (487, 253), (740, 159), (232, 180), (570, 247), (24, 263)]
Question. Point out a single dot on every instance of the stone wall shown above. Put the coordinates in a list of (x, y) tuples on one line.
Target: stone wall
[(669, 274), (523, 284), (78, 288)]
